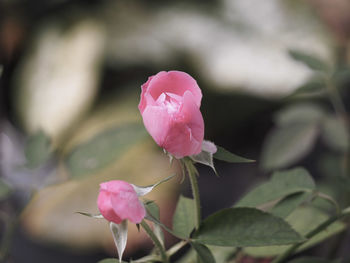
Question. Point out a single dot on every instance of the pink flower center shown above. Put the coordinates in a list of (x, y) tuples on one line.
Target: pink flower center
[(170, 101)]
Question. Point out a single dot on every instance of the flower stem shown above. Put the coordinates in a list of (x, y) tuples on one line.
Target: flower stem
[(171, 251), (156, 241), (175, 248), (281, 258), (192, 173)]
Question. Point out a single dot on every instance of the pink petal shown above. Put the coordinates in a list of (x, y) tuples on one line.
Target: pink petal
[(180, 141), (176, 82), (127, 205), (118, 201), (193, 117), (116, 186), (143, 100), (186, 133), (157, 121), (105, 207)]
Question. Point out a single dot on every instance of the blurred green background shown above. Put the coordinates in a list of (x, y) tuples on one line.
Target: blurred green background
[(275, 79)]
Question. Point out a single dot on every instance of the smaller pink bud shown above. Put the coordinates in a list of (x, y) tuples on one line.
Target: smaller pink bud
[(118, 201)]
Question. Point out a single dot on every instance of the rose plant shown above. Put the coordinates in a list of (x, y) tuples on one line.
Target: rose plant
[(170, 108)]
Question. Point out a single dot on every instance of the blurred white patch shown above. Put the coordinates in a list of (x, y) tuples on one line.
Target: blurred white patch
[(58, 78), (241, 46)]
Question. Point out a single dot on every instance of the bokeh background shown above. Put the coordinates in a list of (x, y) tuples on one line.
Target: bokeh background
[(275, 79)]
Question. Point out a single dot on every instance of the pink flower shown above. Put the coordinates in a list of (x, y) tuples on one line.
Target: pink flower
[(169, 106), (118, 201)]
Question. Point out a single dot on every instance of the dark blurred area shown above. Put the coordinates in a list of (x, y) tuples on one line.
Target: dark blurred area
[(71, 70)]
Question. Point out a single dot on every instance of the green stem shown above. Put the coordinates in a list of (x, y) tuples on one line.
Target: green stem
[(156, 241), (281, 258), (171, 251), (192, 173), (175, 248)]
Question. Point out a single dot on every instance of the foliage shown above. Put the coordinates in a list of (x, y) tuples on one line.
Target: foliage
[(103, 149), (38, 150), (244, 227), (276, 218)]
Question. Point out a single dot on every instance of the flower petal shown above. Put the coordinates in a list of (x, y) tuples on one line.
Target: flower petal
[(176, 82), (143, 100), (105, 207), (127, 205), (186, 133), (157, 122), (193, 118)]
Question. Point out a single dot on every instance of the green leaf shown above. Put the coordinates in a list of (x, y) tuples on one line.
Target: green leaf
[(189, 257), (335, 134), (37, 150), (287, 205), (5, 190), (311, 260), (281, 184), (300, 113), (221, 254), (224, 155), (103, 149), (315, 84), (243, 227), (152, 209), (184, 217), (310, 61), (153, 215), (329, 199), (203, 253), (98, 216), (110, 260), (303, 220), (288, 144), (147, 259)]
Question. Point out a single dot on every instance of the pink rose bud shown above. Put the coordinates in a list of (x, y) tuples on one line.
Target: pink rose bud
[(169, 106), (118, 201)]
